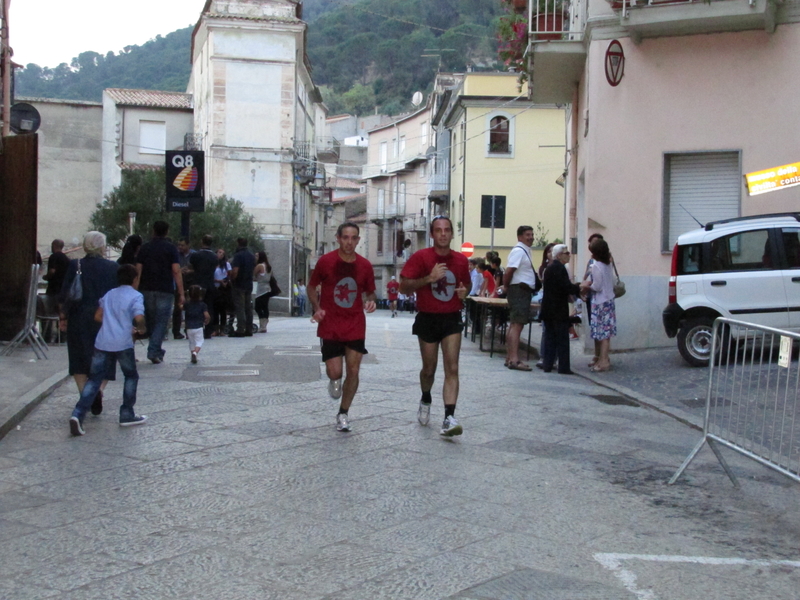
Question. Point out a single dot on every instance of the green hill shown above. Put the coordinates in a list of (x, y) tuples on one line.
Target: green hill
[(364, 53)]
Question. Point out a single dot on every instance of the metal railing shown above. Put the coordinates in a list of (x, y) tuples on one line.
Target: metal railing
[(752, 402), (554, 20)]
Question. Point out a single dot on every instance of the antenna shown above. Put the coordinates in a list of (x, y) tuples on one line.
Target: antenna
[(437, 53), (417, 98), (691, 215)]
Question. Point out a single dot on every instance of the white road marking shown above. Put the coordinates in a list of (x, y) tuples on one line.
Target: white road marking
[(613, 562), (239, 373)]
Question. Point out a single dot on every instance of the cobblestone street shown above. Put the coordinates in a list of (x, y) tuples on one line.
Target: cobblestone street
[(239, 487)]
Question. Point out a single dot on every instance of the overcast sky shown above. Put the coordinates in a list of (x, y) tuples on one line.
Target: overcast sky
[(49, 32)]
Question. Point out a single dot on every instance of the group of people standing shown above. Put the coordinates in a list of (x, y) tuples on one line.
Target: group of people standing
[(160, 282)]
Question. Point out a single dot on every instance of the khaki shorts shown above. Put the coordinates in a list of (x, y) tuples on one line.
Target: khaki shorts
[(519, 304)]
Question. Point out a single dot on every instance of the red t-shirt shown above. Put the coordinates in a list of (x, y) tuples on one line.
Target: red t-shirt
[(391, 289), (343, 284), (440, 296), (490, 283)]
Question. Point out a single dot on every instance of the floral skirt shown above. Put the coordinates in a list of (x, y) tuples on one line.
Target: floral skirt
[(603, 321)]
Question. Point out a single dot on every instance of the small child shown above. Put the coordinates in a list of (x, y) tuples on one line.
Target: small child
[(197, 317), (119, 309)]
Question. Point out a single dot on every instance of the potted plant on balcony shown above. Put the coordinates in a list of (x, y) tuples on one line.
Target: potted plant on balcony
[(512, 35), (550, 19)]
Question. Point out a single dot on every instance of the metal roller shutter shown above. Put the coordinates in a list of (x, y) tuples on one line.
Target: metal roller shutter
[(707, 185)]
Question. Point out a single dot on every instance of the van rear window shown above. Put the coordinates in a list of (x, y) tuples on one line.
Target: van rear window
[(689, 259)]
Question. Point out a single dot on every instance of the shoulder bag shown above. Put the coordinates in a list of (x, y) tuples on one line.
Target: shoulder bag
[(619, 285), (75, 292), (273, 284)]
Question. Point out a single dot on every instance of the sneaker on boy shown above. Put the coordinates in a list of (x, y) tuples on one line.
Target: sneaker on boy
[(450, 427)]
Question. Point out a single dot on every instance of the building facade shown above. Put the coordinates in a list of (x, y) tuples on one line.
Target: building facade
[(504, 151), (257, 113), (396, 179), (670, 104)]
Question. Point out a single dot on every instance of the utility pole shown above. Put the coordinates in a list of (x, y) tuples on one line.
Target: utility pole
[(6, 50)]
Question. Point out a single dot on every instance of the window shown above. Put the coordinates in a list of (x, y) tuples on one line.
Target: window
[(690, 259), (402, 151), (379, 245), (701, 186), (791, 247), (381, 202), (746, 251), (401, 199), (384, 156), (152, 137), (423, 137), (499, 135)]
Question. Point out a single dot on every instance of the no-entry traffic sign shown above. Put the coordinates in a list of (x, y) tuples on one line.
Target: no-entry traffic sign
[(467, 249)]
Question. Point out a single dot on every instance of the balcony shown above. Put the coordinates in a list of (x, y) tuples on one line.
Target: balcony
[(653, 18), (304, 163), (327, 149), (415, 223), (556, 53)]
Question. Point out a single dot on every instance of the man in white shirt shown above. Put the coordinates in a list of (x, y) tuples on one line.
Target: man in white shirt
[(520, 282)]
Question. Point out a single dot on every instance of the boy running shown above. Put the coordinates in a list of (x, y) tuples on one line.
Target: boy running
[(120, 310), (346, 280)]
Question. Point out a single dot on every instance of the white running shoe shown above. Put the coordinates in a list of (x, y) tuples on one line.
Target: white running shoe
[(450, 427), (335, 388), (342, 422), (424, 413)]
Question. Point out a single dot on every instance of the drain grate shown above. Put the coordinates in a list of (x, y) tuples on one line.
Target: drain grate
[(614, 400), (236, 373)]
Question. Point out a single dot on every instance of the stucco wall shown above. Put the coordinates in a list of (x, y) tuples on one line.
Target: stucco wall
[(69, 169), (719, 92)]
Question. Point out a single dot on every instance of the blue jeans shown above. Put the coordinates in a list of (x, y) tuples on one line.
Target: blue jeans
[(104, 362), (157, 316)]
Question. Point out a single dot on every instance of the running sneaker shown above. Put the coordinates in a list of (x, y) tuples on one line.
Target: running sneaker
[(450, 427), (97, 404), (424, 413), (75, 427), (134, 420), (342, 422), (194, 358), (335, 388)]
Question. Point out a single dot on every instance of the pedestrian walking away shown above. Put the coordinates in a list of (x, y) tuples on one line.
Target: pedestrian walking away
[(185, 253), (440, 279), (159, 270), (197, 317), (98, 275), (347, 290), (263, 277), (520, 282), (119, 308), (392, 289)]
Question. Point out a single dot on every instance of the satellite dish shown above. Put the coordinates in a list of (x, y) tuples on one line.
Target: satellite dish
[(24, 118), (416, 99)]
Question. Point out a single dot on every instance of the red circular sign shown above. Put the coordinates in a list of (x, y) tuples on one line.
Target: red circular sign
[(615, 63), (467, 249)]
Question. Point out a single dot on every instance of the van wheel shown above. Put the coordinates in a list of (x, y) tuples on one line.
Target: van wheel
[(694, 341)]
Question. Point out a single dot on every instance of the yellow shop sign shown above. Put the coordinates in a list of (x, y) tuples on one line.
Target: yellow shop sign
[(761, 182)]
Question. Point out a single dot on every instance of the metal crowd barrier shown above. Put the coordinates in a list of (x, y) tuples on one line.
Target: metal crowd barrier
[(29, 333), (752, 402)]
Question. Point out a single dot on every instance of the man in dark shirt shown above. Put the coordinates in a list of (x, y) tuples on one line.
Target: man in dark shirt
[(185, 252), (203, 263), (159, 271), (243, 265)]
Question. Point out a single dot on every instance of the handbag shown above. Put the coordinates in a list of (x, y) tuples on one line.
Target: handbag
[(273, 284), (75, 292), (619, 285)]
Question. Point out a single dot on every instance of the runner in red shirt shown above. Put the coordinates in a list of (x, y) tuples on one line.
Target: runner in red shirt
[(347, 290), (441, 281), (392, 288)]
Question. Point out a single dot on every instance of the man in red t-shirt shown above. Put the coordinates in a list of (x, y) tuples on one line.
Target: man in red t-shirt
[(392, 288), (347, 289), (441, 281)]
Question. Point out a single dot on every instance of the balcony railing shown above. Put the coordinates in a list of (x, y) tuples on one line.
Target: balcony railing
[(500, 148), (556, 20)]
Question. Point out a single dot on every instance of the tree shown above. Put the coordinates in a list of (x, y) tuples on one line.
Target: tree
[(143, 192)]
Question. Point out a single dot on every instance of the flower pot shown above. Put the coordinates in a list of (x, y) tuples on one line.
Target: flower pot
[(549, 26), (520, 6)]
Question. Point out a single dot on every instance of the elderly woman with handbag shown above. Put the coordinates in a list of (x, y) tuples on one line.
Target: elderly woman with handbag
[(87, 280), (603, 319)]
